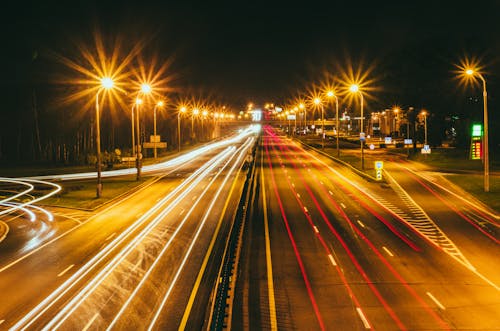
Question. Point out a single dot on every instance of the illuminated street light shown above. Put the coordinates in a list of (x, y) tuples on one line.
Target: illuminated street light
[(160, 105), (354, 88), (145, 90), (182, 110), (395, 118), (137, 103), (472, 73), (302, 107), (195, 111), (107, 83), (424, 113), (331, 94), (317, 102)]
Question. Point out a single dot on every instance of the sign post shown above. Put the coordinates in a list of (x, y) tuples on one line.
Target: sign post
[(379, 165)]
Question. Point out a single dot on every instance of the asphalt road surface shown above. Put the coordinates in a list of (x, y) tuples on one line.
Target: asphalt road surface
[(328, 250)]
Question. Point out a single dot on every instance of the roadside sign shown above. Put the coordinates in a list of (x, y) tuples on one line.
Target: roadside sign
[(362, 136), (379, 165), (152, 145), (156, 138), (408, 141), (476, 148), (388, 140), (426, 149)]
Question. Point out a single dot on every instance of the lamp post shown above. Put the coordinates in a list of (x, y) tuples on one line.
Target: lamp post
[(395, 120), (424, 113), (472, 72), (317, 102), (137, 103), (204, 114), (145, 89), (182, 110), (106, 84), (303, 107), (195, 111), (354, 88), (332, 94), (158, 104)]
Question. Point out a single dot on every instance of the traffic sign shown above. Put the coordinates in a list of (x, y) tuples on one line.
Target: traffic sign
[(379, 165), (388, 140), (408, 141), (362, 136), (426, 149)]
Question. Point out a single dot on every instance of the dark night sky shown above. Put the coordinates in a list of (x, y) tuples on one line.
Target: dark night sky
[(267, 51), (257, 49)]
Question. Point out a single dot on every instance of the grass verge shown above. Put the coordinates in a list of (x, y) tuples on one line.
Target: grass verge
[(82, 194), (474, 185)]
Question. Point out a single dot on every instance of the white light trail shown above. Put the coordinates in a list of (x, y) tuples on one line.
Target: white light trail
[(43, 306)]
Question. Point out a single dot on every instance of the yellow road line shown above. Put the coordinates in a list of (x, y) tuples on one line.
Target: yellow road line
[(270, 284), (197, 283)]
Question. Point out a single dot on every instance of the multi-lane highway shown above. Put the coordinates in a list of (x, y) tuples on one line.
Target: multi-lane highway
[(329, 250), (321, 249), (135, 263)]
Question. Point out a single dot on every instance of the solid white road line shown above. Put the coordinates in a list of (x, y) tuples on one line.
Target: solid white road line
[(360, 223), (330, 256), (363, 318), (387, 251), (436, 301), (343, 206), (65, 270)]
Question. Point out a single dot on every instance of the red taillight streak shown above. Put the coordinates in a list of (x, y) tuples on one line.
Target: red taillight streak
[(346, 248), (294, 245), (374, 249)]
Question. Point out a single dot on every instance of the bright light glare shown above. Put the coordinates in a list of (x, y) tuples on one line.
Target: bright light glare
[(196, 111), (146, 88), (138, 101), (330, 94), (160, 103), (317, 101), (107, 83), (354, 88), (469, 72), (183, 109)]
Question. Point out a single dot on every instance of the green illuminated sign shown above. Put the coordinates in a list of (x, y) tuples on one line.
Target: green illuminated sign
[(477, 130)]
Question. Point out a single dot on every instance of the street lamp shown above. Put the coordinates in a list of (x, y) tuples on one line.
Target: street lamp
[(145, 89), (317, 102), (471, 72), (424, 113), (354, 88), (182, 110), (302, 107), (331, 94), (396, 114), (204, 114), (106, 84), (195, 111), (158, 104), (137, 103)]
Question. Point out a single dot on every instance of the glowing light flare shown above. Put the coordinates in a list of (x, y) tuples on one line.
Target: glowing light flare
[(160, 103), (354, 88), (107, 82), (146, 88)]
